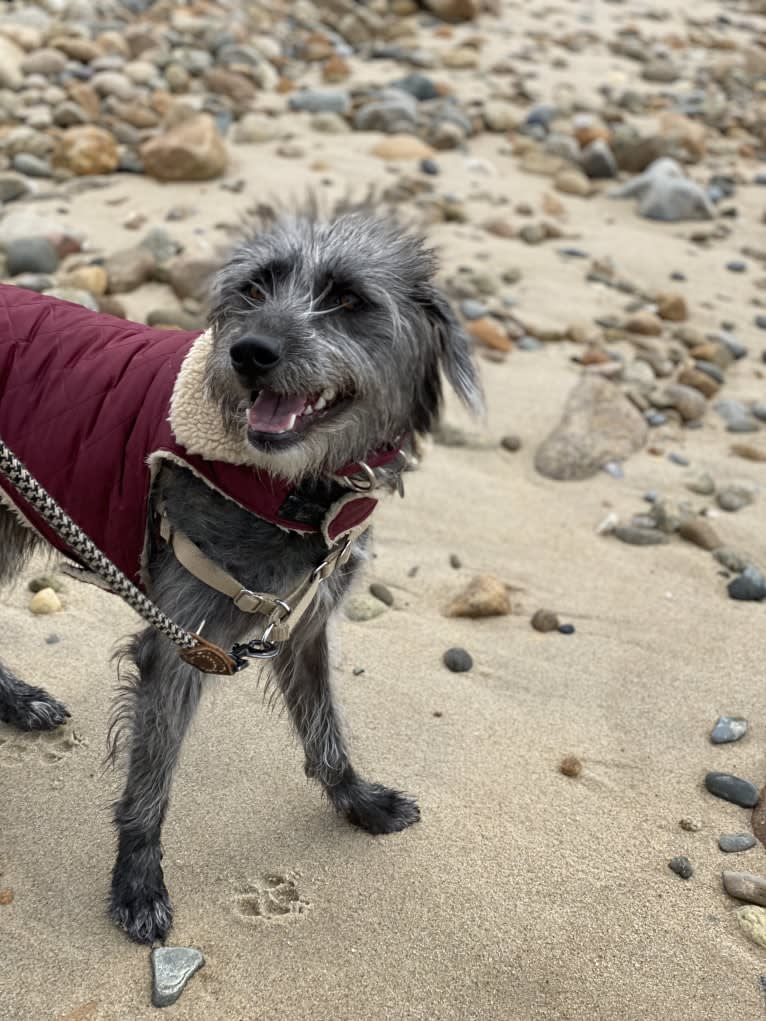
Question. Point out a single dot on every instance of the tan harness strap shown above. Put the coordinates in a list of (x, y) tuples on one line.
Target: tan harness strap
[(283, 613)]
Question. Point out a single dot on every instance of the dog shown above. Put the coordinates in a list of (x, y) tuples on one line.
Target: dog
[(327, 340)]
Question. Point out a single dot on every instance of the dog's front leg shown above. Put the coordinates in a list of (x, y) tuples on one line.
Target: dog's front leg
[(161, 705), (303, 674)]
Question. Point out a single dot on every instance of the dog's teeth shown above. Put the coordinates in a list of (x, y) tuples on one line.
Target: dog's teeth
[(290, 424), (328, 395), (320, 403)]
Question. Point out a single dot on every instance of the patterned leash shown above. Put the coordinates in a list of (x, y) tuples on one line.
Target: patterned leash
[(194, 650)]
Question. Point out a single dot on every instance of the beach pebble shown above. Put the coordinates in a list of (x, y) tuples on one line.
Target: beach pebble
[(457, 660), (750, 586), (31, 255), (727, 729), (363, 607), (681, 866), (511, 443), (666, 193), (44, 581), (749, 451), (172, 967), (570, 765), (128, 269), (191, 151), (6, 897), (598, 160), (640, 536), (733, 843), (566, 629), (545, 620), (599, 424), (455, 561), (752, 922), (86, 149), (733, 498), (732, 788), (382, 593), (45, 601), (322, 101), (402, 147), (672, 307), (745, 886), (702, 483), (485, 596), (736, 266), (700, 532)]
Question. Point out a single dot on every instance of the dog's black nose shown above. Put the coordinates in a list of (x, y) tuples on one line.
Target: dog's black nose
[(255, 354)]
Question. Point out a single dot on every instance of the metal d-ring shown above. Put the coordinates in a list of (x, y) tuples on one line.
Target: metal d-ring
[(366, 483)]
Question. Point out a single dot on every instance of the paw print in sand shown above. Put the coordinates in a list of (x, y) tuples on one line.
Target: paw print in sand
[(274, 896)]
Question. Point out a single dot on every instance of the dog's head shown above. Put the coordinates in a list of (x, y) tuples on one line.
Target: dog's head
[(329, 339)]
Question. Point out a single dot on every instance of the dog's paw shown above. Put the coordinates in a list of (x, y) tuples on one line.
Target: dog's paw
[(375, 808), (145, 915), (33, 709)]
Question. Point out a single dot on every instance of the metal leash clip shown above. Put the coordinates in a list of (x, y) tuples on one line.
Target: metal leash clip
[(263, 647)]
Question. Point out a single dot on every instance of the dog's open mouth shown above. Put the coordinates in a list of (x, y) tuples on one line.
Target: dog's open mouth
[(281, 415)]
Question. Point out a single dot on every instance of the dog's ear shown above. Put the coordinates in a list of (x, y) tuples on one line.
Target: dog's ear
[(454, 349)]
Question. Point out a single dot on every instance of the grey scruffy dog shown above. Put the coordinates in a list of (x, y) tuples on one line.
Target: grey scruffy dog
[(344, 312)]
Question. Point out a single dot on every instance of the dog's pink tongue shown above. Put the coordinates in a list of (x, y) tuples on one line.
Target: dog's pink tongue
[(274, 413)]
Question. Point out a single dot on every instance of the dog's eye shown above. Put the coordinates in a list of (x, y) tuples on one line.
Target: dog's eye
[(349, 301), (257, 292)]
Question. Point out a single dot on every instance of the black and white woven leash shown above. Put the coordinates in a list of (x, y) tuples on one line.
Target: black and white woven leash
[(12, 468)]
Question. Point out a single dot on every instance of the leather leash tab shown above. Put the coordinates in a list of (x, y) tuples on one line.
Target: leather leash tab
[(208, 658)]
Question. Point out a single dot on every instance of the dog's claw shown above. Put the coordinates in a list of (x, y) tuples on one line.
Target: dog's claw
[(144, 917), (375, 808), (34, 709)]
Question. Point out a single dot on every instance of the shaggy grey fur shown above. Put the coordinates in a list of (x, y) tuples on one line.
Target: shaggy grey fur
[(347, 303)]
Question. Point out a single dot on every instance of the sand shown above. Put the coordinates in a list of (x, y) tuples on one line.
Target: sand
[(522, 895)]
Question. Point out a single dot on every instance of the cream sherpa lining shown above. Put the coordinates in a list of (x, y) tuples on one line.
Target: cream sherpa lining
[(196, 419)]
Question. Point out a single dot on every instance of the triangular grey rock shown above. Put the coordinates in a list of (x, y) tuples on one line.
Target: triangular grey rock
[(172, 967)]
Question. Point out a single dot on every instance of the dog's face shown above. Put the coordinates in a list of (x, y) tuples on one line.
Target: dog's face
[(329, 338)]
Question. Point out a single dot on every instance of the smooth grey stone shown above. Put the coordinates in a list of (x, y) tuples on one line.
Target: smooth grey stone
[(382, 593), (678, 459), (321, 101), (34, 281), (681, 866), (161, 244), (736, 266), (457, 660), (732, 788), (732, 843), (542, 114), (472, 309), (727, 338), (418, 85), (714, 371), (429, 166), (12, 187), (666, 193), (363, 607), (745, 886), (32, 166), (640, 536), (749, 587), (742, 425), (727, 729), (172, 967), (390, 111), (31, 255), (528, 344), (598, 160), (730, 410), (734, 498), (760, 322), (759, 410)]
